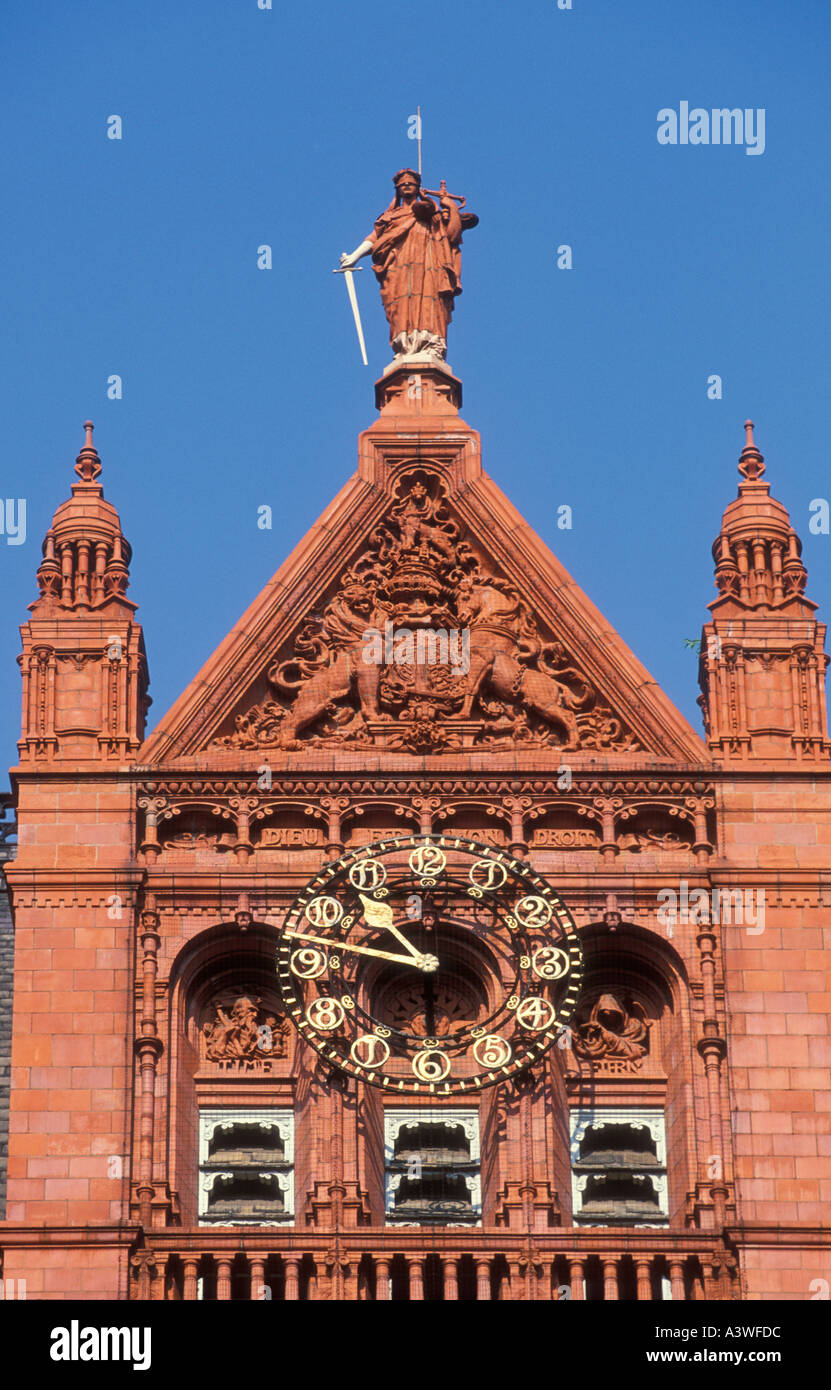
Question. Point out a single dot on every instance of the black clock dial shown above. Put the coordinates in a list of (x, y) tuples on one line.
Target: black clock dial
[(429, 965)]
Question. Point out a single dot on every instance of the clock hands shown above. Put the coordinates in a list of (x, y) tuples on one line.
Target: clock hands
[(381, 915), (425, 963)]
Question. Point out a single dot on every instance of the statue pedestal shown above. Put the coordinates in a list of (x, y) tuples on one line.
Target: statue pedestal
[(419, 384), (418, 398)]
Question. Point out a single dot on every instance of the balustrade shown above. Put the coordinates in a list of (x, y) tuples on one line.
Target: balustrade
[(392, 1265)]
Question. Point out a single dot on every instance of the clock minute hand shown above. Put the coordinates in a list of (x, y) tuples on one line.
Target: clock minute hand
[(338, 946), (380, 915)]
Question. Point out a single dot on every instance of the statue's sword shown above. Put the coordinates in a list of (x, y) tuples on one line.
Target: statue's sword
[(349, 272)]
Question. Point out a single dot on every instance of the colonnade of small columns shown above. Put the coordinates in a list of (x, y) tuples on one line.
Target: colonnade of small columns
[(507, 1275)]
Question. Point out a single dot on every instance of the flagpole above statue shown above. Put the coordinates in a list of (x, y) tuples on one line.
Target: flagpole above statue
[(416, 255)]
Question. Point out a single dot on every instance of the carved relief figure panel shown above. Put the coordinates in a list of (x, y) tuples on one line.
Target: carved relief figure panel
[(613, 1030), (241, 1029), (423, 646)]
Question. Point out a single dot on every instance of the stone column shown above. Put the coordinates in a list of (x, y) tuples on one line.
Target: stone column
[(189, 1281), (577, 1275), (223, 1280), (334, 807), (676, 1281), (382, 1280), (416, 1280), (644, 1280), (712, 1049), (148, 1048), (257, 1278), (292, 1279)]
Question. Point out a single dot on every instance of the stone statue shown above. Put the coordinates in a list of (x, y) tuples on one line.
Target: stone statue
[(613, 1029), (416, 257)]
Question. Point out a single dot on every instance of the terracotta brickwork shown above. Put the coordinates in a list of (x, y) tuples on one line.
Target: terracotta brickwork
[(153, 874)]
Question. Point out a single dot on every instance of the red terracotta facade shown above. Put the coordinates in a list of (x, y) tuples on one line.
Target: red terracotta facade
[(152, 872)]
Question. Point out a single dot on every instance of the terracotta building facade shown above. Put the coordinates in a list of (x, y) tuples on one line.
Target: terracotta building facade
[(421, 676)]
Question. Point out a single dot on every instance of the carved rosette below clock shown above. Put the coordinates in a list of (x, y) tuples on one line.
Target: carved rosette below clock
[(429, 965)]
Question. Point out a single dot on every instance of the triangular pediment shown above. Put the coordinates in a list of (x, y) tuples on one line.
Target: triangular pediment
[(422, 616)]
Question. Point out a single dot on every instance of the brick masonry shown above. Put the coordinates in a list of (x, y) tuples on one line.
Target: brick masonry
[(145, 883)]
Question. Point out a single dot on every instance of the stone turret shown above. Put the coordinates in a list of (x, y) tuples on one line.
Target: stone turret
[(763, 653), (83, 662)]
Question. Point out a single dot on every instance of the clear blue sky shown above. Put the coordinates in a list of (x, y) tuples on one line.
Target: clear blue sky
[(243, 387)]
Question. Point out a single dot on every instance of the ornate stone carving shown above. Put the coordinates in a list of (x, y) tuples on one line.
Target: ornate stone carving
[(615, 1029), (197, 839), (423, 648), (668, 840), (242, 1031), (453, 1009)]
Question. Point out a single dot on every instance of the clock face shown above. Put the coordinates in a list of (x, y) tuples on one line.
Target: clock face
[(429, 965)]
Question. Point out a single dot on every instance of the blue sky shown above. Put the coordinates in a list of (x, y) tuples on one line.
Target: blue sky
[(242, 387)]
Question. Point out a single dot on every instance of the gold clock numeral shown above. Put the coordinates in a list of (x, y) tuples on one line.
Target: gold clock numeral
[(325, 1015), (308, 963), (323, 912), (369, 1051), (533, 911), (550, 963), (427, 862), (492, 1051), (431, 1066), (367, 875), (488, 875), (535, 1014)]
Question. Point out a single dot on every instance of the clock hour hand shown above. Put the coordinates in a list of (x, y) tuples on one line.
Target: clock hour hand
[(380, 915), (423, 962)]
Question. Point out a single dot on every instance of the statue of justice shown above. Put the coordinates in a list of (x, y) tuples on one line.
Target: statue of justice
[(416, 255)]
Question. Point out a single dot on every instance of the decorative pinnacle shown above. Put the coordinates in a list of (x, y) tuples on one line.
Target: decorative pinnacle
[(88, 464), (751, 462)]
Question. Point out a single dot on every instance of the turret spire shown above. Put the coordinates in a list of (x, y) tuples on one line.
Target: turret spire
[(762, 655), (85, 555), (84, 665), (751, 462)]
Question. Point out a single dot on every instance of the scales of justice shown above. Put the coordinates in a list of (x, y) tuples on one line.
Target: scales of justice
[(416, 255)]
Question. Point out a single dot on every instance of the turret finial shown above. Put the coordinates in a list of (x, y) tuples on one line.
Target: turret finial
[(88, 464), (751, 462)]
